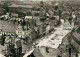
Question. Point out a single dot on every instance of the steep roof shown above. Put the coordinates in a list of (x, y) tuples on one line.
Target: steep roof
[(77, 36), (8, 26)]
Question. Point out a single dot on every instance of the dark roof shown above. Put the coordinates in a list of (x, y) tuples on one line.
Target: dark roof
[(8, 26)]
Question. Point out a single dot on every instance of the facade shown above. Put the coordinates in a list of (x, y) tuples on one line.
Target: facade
[(67, 25), (53, 22), (22, 31), (48, 28)]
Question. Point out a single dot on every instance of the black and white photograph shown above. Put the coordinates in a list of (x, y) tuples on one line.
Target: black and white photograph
[(39, 28)]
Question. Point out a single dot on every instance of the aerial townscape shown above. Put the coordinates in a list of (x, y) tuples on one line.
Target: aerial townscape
[(31, 28)]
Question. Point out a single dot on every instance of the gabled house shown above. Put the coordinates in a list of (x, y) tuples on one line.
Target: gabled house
[(75, 43), (22, 31)]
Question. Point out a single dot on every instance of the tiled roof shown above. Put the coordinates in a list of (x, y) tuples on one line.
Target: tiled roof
[(8, 26), (77, 35)]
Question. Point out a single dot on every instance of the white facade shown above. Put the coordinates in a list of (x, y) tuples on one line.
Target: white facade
[(47, 29), (28, 17)]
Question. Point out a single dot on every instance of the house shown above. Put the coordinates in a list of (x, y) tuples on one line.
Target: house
[(40, 27), (23, 32), (28, 18), (8, 27), (1, 51), (34, 34), (42, 12), (14, 17), (18, 47), (65, 14), (75, 43), (53, 22)]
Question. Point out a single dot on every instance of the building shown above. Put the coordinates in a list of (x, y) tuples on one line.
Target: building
[(2, 52), (48, 28), (20, 8), (53, 22), (74, 42), (14, 17), (28, 18), (23, 32), (65, 14), (8, 27), (40, 27), (67, 25)]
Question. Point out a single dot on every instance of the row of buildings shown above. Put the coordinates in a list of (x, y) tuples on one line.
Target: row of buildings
[(15, 30)]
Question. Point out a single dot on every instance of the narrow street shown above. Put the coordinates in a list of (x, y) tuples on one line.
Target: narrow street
[(47, 40)]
